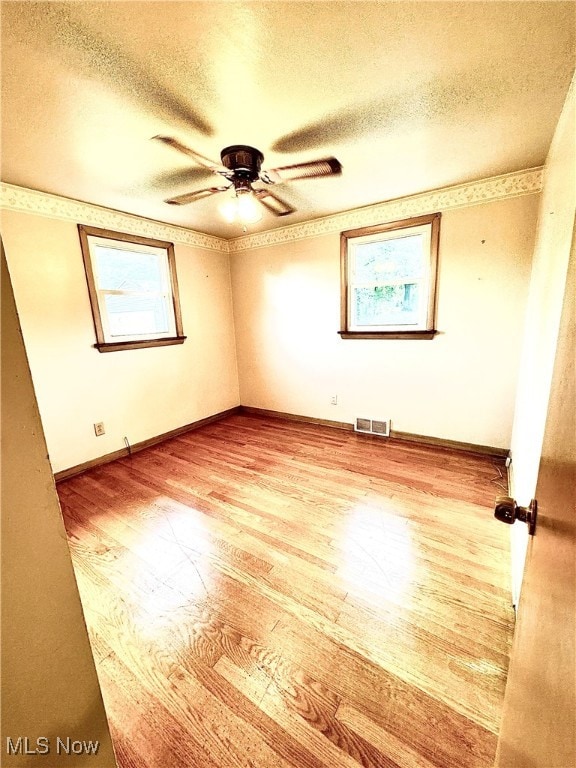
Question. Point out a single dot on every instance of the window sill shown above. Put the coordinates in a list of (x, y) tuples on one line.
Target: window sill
[(388, 334), (118, 345)]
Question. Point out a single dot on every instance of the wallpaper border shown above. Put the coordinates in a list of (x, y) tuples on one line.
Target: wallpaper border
[(514, 184), (31, 201), (525, 182)]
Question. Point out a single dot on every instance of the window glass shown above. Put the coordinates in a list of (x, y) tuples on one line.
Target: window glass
[(389, 259), (387, 305), (120, 269), (130, 315)]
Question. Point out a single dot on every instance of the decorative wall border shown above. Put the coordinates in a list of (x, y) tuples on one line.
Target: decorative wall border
[(31, 201), (526, 182), (516, 184)]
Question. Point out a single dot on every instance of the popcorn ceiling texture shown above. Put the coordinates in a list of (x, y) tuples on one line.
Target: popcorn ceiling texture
[(408, 96)]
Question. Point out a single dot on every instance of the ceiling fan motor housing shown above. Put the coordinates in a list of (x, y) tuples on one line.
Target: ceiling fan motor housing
[(243, 161)]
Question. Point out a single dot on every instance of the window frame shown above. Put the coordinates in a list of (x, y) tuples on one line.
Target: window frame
[(102, 344), (348, 236)]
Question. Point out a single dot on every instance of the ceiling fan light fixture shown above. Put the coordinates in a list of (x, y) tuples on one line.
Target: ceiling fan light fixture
[(228, 209), (249, 211), (243, 208)]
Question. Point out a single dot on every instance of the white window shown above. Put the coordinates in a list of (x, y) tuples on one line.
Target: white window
[(389, 279), (133, 290)]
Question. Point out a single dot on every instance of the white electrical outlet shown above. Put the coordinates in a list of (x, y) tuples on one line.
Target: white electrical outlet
[(334, 400), (99, 428)]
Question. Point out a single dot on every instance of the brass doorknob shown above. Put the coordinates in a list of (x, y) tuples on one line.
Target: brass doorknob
[(507, 511)]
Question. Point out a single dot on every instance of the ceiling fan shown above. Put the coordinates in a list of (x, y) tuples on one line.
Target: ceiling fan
[(242, 166)]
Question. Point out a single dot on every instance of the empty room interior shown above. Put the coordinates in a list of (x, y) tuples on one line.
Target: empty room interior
[(288, 372)]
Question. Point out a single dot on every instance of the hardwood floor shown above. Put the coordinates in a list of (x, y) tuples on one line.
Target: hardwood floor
[(263, 594)]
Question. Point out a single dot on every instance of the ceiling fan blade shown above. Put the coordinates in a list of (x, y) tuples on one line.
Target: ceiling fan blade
[(196, 156), (190, 197), (182, 178), (274, 204), (328, 166)]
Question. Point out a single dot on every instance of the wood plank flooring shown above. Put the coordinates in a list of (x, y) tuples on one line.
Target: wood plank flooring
[(263, 594)]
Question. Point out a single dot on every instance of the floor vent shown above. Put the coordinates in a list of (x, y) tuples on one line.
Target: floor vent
[(379, 427)]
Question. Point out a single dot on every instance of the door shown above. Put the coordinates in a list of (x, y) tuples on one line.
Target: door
[(539, 715)]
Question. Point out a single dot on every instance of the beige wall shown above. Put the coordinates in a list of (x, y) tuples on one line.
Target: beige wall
[(49, 683), (547, 286), (136, 393), (459, 386)]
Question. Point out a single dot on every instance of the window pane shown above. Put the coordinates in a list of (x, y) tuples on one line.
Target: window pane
[(121, 270), (387, 305), (136, 315), (389, 259)]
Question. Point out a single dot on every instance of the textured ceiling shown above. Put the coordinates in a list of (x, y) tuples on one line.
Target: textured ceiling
[(408, 96)]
